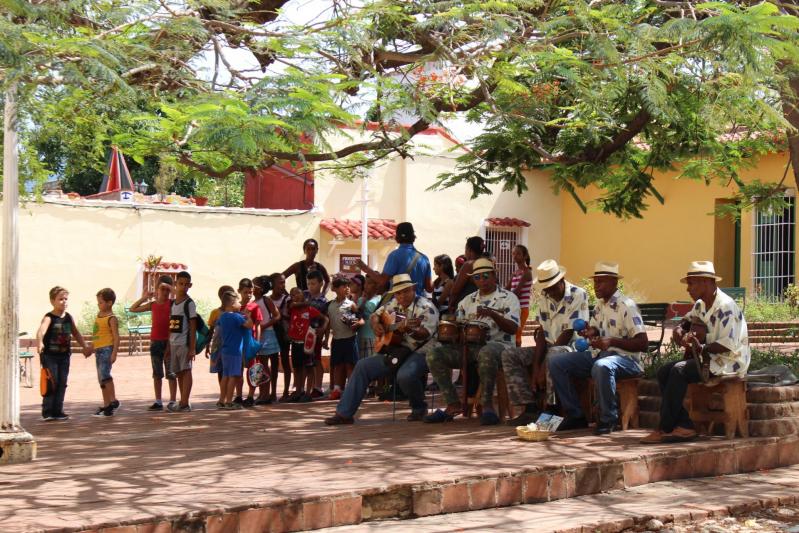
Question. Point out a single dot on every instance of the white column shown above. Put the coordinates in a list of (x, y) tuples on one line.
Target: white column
[(16, 445), (365, 218)]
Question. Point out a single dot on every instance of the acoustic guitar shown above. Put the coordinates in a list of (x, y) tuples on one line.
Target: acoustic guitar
[(391, 336)]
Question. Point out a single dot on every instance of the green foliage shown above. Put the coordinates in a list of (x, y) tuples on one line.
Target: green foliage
[(763, 310)]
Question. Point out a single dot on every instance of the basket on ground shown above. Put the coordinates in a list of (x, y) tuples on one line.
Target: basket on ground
[(535, 435)]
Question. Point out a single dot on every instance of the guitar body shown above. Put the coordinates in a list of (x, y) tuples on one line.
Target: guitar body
[(390, 337)]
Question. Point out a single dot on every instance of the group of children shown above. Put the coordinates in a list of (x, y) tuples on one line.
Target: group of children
[(260, 323)]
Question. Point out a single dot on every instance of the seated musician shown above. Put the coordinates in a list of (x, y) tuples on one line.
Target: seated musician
[(559, 304), (726, 346), (415, 333), (617, 337), (498, 310)]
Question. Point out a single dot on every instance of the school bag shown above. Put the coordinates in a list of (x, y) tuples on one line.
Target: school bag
[(202, 332), (249, 347)]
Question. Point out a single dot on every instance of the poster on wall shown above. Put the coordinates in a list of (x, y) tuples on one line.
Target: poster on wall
[(348, 264)]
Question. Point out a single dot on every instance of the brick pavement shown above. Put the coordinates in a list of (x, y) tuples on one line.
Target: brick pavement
[(671, 502), (280, 465)]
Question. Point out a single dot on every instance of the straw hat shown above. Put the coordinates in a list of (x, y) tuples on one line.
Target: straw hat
[(399, 282), (701, 269), (604, 268), (548, 274), (482, 264)]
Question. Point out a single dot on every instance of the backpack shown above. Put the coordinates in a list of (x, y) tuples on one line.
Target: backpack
[(202, 331)]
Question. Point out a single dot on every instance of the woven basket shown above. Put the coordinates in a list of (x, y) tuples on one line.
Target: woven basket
[(535, 436)]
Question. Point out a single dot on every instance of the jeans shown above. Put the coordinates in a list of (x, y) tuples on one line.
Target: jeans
[(409, 378), (58, 365), (604, 370), (673, 379)]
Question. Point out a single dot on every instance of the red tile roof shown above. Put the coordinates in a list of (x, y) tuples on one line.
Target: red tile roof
[(508, 222), (379, 228)]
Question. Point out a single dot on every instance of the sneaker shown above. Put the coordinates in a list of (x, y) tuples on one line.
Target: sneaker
[(47, 418), (305, 398), (316, 394), (99, 411), (295, 396), (172, 405), (337, 420), (605, 429), (263, 401), (416, 416), (238, 400), (220, 405), (335, 395), (570, 423), (115, 405), (157, 406), (234, 406), (61, 416), (284, 398), (104, 411), (248, 402), (523, 419), (185, 408)]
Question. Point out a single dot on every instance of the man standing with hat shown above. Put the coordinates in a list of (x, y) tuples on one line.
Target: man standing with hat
[(498, 311), (420, 325), (617, 337), (406, 259), (726, 343), (559, 304)]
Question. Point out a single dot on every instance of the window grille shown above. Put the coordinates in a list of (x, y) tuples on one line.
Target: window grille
[(774, 249), (500, 243)]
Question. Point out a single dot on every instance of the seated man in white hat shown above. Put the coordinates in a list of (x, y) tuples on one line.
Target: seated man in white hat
[(726, 343), (617, 337), (495, 309), (559, 304), (421, 321)]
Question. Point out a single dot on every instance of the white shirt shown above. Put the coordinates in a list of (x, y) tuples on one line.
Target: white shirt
[(619, 318), (725, 326), (421, 308), (500, 300), (556, 317)]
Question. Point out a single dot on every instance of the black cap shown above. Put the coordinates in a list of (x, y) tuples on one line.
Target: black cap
[(405, 232)]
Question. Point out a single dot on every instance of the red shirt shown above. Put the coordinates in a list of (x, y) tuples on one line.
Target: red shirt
[(160, 319), (256, 316), (300, 322)]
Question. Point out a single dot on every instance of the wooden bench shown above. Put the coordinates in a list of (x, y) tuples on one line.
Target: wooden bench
[(627, 393), (705, 411), (136, 330), (27, 347)]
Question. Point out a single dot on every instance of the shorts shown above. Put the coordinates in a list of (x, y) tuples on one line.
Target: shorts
[(178, 358), (344, 351), (157, 351), (269, 344), (366, 347), (298, 356), (231, 365), (102, 358), (215, 363)]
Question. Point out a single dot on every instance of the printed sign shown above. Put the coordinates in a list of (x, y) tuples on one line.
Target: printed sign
[(504, 245), (348, 264)]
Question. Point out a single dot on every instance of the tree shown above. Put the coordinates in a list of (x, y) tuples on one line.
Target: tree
[(602, 93)]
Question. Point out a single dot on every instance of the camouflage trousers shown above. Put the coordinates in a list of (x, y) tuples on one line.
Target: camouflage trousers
[(444, 358), (516, 364)]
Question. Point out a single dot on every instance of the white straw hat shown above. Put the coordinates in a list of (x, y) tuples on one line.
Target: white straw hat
[(548, 274), (701, 269), (604, 268)]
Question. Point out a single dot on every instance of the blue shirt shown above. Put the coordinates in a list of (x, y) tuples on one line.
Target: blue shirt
[(400, 259), (230, 328)]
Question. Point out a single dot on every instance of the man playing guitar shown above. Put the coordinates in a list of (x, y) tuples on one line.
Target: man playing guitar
[(404, 354)]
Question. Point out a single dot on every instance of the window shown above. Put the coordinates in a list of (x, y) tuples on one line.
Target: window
[(500, 242), (774, 249)]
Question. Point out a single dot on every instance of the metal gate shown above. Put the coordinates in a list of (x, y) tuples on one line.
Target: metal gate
[(774, 249), (500, 243)]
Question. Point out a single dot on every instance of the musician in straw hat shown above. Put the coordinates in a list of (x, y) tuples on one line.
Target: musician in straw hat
[(726, 342), (498, 311), (559, 304), (617, 338), (416, 331)]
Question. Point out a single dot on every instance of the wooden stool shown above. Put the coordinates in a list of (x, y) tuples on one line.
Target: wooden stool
[(733, 415), (504, 408), (627, 391)]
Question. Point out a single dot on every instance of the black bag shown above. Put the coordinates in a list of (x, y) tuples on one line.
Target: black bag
[(395, 356)]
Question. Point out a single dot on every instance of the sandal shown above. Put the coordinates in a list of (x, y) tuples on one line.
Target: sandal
[(439, 416)]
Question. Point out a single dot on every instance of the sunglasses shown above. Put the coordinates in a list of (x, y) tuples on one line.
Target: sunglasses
[(484, 275)]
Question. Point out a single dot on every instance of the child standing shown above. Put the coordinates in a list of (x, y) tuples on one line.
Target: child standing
[(53, 345), (231, 328), (182, 339), (367, 303), (301, 317), (105, 338), (212, 349), (344, 347), (270, 348), (521, 284), (249, 308), (316, 298), (159, 338), (281, 300)]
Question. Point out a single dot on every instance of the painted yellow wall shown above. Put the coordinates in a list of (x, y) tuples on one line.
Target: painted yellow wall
[(654, 252)]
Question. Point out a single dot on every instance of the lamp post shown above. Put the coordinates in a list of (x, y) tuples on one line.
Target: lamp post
[(16, 444)]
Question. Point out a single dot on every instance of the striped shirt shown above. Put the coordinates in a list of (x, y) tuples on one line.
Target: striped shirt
[(527, 287)]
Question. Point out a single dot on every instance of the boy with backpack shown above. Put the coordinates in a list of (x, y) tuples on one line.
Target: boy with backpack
[(183, 322)]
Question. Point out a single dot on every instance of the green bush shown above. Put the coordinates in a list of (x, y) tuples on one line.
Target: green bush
[(762, 310), (760, 359), (88, 312)]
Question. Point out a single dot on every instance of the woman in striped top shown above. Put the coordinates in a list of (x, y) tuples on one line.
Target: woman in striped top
[(521, 285)]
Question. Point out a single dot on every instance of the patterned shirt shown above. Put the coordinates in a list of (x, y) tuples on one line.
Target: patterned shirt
[(500, 300), (420, 308), (726, 326), (619, 318), (556, 317)]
